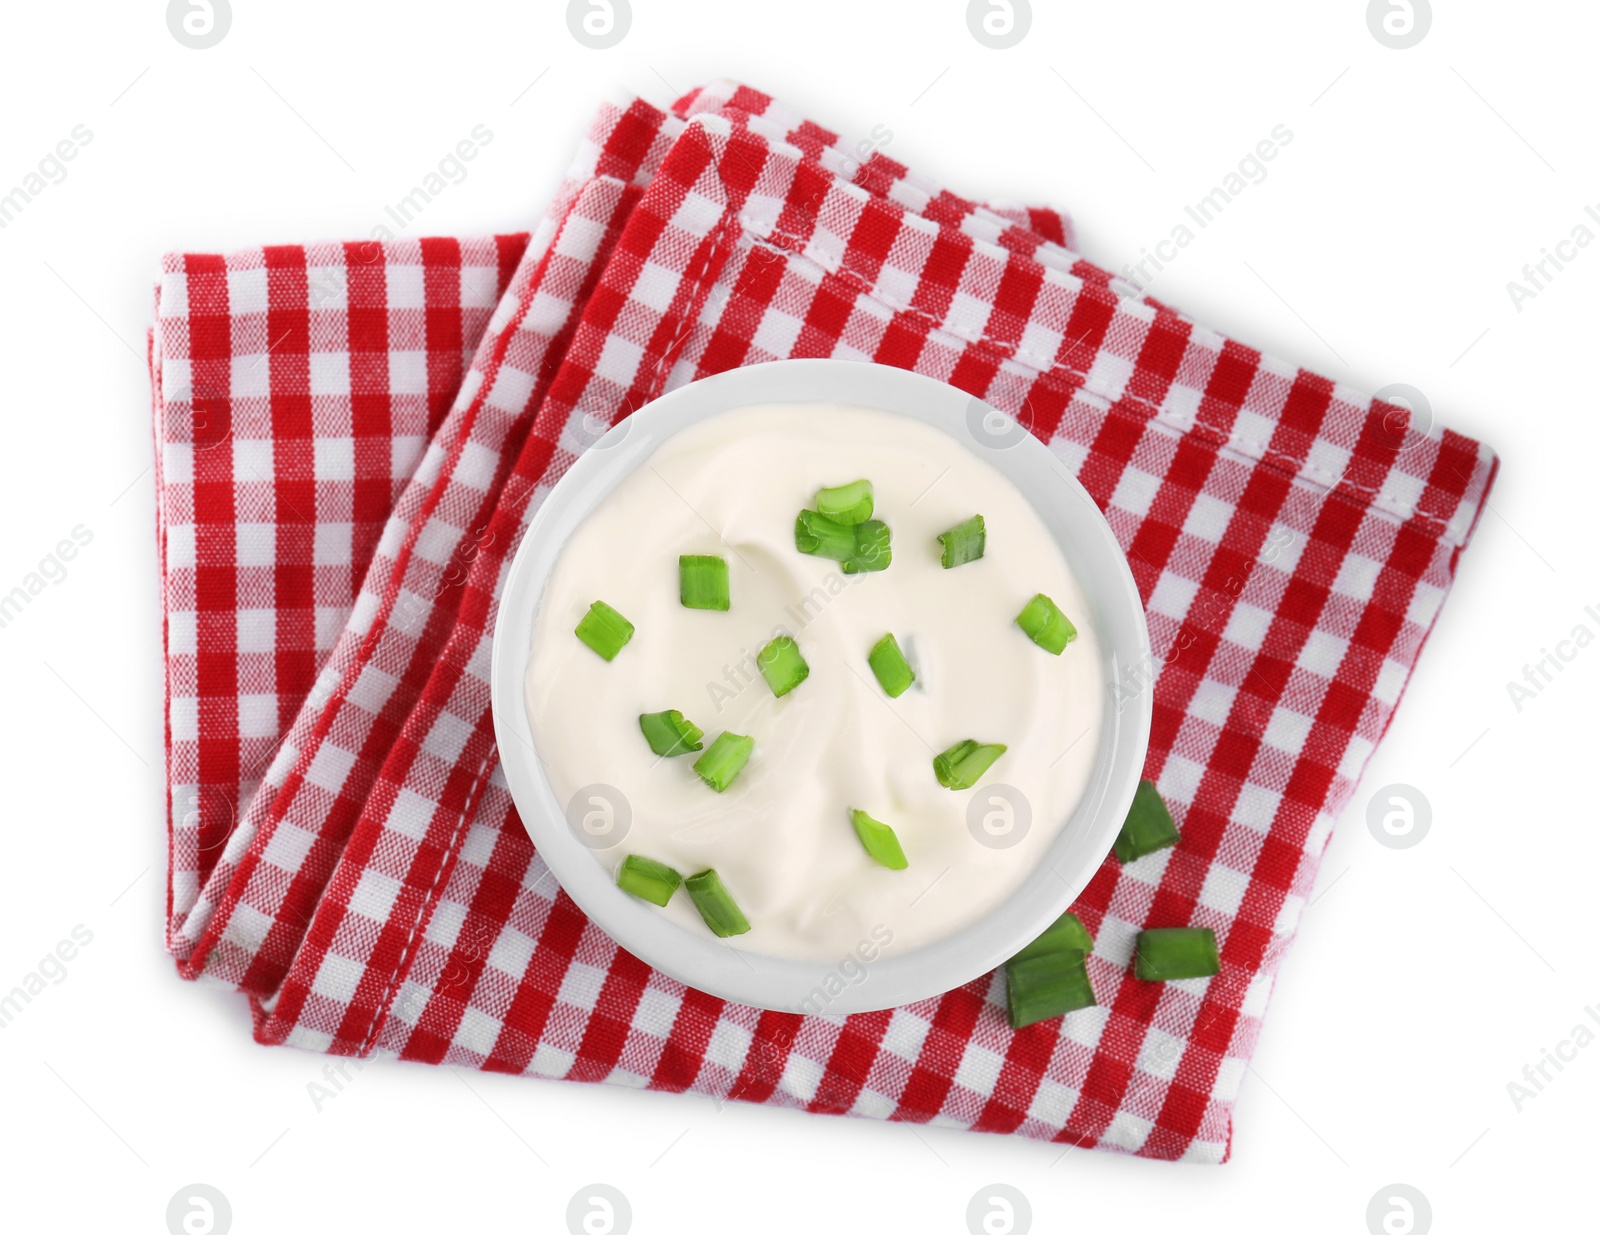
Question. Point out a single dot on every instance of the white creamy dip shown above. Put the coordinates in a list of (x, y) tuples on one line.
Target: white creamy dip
[(781, 836)]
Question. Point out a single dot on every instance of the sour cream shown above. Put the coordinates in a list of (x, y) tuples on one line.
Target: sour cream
[(780, 836)]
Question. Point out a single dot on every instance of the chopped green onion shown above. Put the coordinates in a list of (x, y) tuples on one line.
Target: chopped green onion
[(703, 581), (1049, 977), (716, 906), (962, 765), (823, 537), (862, 548), (890, 667), (849, 504), (872, 550), (669, 733), (963, 543), (879, 840), (1176, 952), (1065, 934), (782, 665), (724, 759), (1046, 625), (648, 880), (604, 629), (1043, 987), (1147, 828)]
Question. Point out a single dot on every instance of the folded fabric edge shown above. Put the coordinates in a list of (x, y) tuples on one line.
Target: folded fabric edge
[(830, 254), (620, 143), (494, 250)]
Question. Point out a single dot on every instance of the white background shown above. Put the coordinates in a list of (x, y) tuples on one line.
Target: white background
[(1378, 250)]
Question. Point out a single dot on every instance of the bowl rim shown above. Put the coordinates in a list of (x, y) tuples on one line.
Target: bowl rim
[(866, 982)]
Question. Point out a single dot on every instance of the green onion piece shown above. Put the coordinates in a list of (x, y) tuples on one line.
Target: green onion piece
[(718, 908), (1176, 952), (703, 581), (1147, 828), (1048, 986), (604, 629), (890, 667), (1065, 934), (848, 504), (649, 881), (669, 733), (872, 551), (823, 537), (782, 665), (1049, 977), (724, 759), (962, 765), (963, 543), (1046, 625), (879, 840)]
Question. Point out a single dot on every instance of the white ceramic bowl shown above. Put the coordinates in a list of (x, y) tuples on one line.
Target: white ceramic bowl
[(707, 963)]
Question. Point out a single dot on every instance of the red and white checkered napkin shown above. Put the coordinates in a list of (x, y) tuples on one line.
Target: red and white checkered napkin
[(352, 438)]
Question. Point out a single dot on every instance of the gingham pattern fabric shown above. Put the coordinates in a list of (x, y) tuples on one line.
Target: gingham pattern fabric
[(296, 389), (1025, 229), (1292, 539)]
